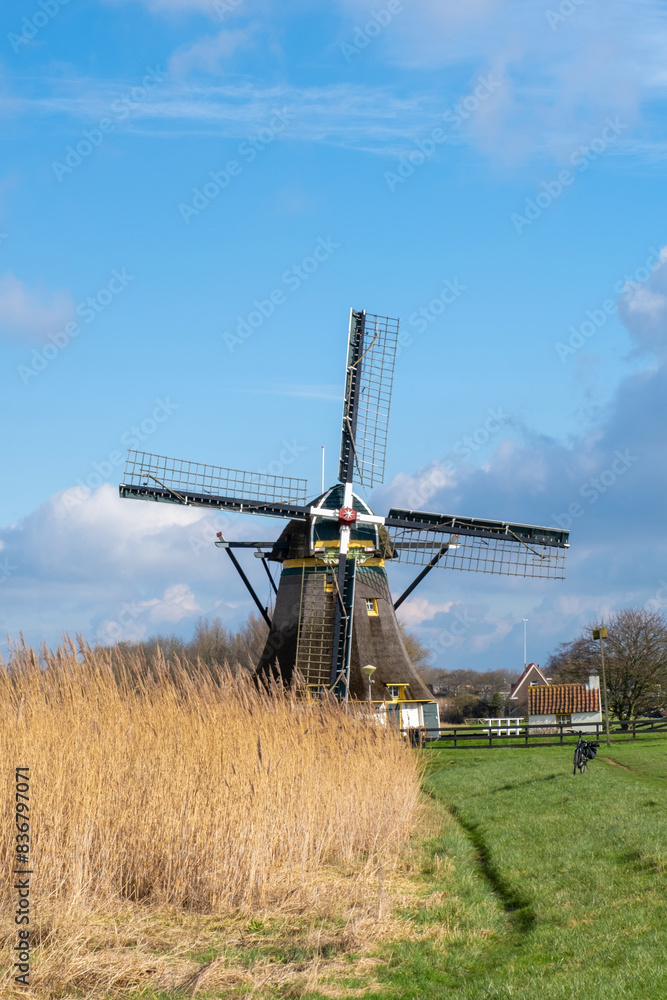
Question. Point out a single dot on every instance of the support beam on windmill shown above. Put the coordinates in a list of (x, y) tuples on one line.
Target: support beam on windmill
[(334, 613)]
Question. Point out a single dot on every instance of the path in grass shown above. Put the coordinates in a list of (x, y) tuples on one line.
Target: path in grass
[(559, 883)]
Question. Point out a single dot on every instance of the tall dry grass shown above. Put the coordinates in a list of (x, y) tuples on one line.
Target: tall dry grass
[(169, 784)]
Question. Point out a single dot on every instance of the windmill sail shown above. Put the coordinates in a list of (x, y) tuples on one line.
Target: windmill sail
[(478, 545), (372, 345), (175, 480)]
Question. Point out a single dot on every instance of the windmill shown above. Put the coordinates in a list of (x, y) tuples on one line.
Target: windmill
[(334, 614)]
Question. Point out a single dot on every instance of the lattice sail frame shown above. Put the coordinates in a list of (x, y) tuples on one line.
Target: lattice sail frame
[(180, 476), (505, 556), (374, 398)]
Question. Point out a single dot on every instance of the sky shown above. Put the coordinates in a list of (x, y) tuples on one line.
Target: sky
[(490, 172)]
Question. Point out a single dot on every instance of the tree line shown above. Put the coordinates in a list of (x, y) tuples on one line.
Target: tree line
[(635, 657), (635, 661)]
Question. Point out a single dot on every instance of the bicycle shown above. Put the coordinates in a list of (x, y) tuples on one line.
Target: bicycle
[(584, 751)]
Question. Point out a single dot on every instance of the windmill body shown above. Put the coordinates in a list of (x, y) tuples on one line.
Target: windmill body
[(301, 637), (334, 613)]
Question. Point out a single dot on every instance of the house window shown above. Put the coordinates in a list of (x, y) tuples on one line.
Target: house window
[(563, 720), (372, 607), (394, 690)]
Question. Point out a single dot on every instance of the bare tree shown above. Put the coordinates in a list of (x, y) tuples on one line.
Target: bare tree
[(216, 645), (419, 654), (635, 658)]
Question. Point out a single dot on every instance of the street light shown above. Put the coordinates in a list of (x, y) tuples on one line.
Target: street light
[(369, 671), (525, 658), (601, 633)]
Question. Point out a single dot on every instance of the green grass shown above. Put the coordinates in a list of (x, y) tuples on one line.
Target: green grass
[(646, 760), (575, 870)]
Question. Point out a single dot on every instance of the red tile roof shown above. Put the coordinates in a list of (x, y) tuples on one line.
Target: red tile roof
[(562, 699)]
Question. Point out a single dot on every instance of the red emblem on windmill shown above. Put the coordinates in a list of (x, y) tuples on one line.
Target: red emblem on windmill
[(346, 515)]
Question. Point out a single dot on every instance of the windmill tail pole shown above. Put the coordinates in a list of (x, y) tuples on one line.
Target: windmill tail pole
[(251, 590), (415, 583)]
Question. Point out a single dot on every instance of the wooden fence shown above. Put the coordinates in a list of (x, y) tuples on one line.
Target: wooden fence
[(485, 736)]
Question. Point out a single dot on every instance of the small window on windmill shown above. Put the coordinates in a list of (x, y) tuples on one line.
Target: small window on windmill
[(372, 607), (397, 692), (328, 583)]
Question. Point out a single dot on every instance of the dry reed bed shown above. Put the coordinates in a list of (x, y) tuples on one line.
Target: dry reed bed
[(171, 786)]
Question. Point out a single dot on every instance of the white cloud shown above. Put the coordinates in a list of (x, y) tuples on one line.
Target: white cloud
[(341, 114), (32, 313), (606, 486), (421, 609), (558, 84), (137, 619), (643, 309), (111, 568), (210, 54), (178, 602)]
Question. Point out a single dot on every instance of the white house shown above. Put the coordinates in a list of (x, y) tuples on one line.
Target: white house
[(576, 705)]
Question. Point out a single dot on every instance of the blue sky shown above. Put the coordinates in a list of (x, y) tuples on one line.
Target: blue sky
[(168, 163)]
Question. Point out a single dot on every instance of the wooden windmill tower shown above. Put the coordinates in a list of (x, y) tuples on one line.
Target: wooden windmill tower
[(334, 613)]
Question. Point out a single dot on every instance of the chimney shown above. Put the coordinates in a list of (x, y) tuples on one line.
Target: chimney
[(593, 681)]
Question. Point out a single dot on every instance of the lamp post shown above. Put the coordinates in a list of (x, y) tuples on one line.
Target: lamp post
[(369, 671), (601, 633), (525, 658)]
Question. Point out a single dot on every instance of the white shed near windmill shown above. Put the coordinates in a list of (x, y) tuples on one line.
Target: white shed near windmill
[(576, 705)]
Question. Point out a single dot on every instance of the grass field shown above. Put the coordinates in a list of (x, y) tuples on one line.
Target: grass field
[(569, 889)]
